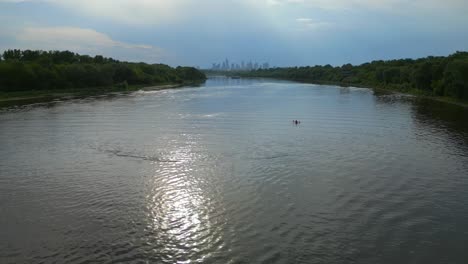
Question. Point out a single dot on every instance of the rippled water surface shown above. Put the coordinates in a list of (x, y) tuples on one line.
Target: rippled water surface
[(219, 174)]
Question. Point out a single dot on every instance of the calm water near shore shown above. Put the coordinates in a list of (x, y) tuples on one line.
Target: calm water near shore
[(219, 174)]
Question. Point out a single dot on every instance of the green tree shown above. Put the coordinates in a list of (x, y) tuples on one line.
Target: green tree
[(422, 76), (456, 79), (14, 54)]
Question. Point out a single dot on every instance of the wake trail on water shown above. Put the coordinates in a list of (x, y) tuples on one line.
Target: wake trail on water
[(133, 155)]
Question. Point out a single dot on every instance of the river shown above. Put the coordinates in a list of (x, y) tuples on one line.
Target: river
[(220, 174)]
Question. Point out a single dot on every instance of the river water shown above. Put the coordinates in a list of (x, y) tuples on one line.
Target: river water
[(220, 174)]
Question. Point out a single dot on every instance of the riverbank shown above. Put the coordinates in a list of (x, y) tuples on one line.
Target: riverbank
[(387, 89), (9, 99), (29, 76), (413, 92), (442, 78)]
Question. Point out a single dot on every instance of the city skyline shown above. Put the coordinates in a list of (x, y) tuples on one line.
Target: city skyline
[(226, 65)]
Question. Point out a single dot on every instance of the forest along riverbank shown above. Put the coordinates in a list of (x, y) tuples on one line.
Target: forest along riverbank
[(28, 76)]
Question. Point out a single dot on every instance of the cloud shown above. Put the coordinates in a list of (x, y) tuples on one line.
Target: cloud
[(389, 5), (313, 25), (159, 12), (85, 41), (126, 11)]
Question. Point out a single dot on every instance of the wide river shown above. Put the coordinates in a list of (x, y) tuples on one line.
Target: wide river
[(219, 174)]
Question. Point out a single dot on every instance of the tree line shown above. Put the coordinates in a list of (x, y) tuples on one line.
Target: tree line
[(24, 70), (438, 76)]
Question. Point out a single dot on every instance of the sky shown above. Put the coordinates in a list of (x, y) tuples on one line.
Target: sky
[(201, 32)]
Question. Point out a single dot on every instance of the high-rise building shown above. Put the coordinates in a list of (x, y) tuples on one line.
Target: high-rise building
[(243, 66)]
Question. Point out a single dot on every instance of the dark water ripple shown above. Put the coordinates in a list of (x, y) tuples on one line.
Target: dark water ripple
[(219, 174)]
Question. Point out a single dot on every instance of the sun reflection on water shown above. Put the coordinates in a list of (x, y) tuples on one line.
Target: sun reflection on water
[(178, 207)]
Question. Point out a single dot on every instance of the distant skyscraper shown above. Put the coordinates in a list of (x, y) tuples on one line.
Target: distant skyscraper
[(227, 66)]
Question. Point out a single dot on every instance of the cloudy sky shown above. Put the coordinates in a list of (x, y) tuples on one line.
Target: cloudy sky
[(199, 32)]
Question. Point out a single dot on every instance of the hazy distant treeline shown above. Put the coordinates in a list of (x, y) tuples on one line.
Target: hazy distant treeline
[(22, 70), (440, 76)]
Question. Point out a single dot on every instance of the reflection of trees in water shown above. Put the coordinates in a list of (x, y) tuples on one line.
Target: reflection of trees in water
[(387, 97), (451, 116), (382, 92), (452, 119), (432, 116)]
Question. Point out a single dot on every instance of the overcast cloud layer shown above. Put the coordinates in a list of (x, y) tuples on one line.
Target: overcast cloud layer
[(282, 32)]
